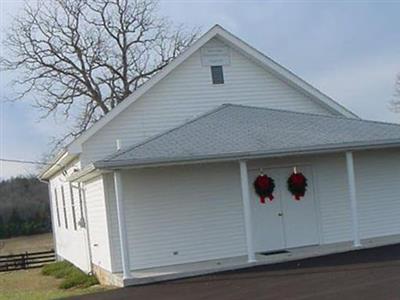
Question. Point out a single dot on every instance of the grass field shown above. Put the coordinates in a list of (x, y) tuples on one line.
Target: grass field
[(32, 285), (39, 242)]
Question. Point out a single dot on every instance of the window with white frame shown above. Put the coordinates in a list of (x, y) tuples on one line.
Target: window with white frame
[(64, 207), (71, 191), (57, 207), (80, 194)]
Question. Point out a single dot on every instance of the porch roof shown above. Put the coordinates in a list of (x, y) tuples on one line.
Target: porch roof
[(240, 132)]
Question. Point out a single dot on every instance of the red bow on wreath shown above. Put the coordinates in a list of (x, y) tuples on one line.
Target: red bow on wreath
[(264, 187), (297, 184)]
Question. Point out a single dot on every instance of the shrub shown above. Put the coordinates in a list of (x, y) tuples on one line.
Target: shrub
[(58, 269), (73, 277), (78, 278)]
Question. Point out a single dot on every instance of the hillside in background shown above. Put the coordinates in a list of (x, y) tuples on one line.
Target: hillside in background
[(24, 207)]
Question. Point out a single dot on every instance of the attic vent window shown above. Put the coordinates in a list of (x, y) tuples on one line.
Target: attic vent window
[(217, 75)]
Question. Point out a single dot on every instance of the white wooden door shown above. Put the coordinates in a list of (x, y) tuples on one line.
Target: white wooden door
[(268, 232), (299, 216), (284, 222)]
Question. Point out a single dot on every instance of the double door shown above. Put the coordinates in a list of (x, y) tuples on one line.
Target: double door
[(284, 222)]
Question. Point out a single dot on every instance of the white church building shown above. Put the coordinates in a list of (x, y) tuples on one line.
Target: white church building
[(193, 173)]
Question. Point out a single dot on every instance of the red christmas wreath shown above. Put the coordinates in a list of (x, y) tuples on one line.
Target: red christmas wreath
[(297, 185), (264, 187)]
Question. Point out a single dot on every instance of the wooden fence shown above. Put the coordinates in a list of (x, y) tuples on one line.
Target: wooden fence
[(26, 260)]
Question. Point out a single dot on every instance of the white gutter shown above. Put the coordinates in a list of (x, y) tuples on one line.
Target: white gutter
[(58, 164)]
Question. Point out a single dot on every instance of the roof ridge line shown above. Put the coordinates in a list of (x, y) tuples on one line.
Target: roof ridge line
[(313, 114), (203, 115)]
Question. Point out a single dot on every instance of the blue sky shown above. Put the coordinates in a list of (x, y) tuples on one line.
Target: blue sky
[(349, 50)]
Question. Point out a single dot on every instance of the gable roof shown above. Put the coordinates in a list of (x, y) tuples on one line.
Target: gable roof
[(234, 132), (231, 40)]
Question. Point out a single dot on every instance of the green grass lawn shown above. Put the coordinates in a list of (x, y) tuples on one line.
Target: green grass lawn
[(71, 275), (32, 285)]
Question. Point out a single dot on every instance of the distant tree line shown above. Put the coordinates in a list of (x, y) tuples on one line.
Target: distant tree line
[(24, 207)]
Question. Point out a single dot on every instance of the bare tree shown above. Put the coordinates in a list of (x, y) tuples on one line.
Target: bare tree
[(84, 57), (396, 100)]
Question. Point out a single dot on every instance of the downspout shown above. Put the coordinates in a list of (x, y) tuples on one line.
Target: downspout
[(82, 193)]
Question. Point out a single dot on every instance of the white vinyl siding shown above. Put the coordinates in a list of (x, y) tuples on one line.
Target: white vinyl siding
[(187, 92), (97, 223), (71, 192), (378, 192), (179, 215), (377, 176), (182, 214), (70, 244), (196, 210), (333, 195), (64, 207)]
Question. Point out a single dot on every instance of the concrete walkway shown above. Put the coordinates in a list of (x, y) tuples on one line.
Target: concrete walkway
[(363, 274)]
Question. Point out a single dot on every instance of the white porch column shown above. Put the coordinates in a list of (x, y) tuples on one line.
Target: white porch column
[(119, 197), (353, 198), (244, 178)]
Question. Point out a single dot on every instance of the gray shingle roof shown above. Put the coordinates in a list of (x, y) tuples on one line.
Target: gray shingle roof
[(233, 131)]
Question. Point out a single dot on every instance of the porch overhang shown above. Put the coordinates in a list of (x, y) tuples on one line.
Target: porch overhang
[(226, 157), (87, 173)]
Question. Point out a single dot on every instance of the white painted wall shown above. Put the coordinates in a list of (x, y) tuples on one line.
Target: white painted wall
[(165, 210), (334, 197), (188, 92), (97, 222), (378, 192), (168, 210), (71, 244), (193, 210)]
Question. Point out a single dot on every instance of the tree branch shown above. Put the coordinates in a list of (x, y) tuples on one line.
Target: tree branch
[(84, 57)]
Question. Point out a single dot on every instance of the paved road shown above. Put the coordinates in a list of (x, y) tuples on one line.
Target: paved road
[(365, 274)]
